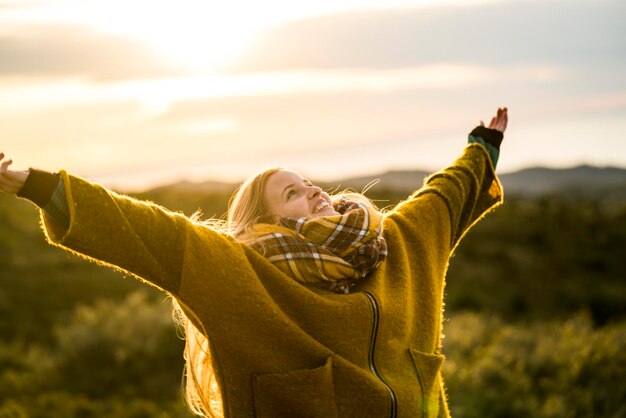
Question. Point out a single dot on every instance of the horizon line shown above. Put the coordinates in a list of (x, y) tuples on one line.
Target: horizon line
[(198, 180)]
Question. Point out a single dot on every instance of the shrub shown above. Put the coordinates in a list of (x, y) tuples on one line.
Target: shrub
[(543, 369)]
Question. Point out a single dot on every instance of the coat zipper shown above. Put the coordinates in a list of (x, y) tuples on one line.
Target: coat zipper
[(372, 365)]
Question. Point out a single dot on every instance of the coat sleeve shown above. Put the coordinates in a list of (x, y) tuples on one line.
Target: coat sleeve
[(135, 236), (468, 189)]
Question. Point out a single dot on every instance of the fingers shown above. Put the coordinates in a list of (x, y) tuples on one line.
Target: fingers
[(5, 165), (505, 119), (500, 120), (8, 181), (4, 173)]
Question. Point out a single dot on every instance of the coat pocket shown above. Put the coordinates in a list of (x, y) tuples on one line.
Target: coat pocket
[(428, 368), (306, 393)]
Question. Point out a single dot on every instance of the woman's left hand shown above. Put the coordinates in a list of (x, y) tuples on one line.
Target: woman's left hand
[(499, 121), (11, 181)]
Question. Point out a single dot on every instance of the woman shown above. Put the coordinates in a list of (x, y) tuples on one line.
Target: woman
[(303, 306)]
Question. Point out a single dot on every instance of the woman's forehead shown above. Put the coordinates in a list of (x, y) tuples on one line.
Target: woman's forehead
[(279, 181), (284, 177)]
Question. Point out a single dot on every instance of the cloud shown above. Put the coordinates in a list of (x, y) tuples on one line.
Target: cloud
[(160, 94), (575, 32), (75, 51)]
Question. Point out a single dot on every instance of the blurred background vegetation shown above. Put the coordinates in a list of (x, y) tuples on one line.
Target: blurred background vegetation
[(535, 308)]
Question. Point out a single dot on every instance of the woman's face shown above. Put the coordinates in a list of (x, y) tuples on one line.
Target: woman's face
[(288, 195)]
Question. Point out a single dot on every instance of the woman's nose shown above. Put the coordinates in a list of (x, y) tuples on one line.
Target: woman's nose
[(314, 191)]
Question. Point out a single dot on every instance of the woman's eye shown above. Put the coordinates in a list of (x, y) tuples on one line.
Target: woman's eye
[(291, 193)]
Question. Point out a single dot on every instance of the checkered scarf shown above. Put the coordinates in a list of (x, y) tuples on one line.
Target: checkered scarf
[(336, 250)]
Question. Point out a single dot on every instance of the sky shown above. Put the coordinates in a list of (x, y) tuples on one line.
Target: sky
[(135, 93)]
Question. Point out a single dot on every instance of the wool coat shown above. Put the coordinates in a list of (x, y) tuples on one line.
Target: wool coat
[(284, 349)]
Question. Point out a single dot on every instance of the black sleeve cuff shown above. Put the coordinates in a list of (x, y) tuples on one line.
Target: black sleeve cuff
[(491, 136), (39, 187)]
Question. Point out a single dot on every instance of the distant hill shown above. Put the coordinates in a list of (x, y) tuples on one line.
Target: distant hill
[(582, 179), (402, 180), (209, 186), (530, 181), (541, 180)]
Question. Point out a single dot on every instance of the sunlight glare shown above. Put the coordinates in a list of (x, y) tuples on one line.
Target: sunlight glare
[(214, 125), (199, 35)]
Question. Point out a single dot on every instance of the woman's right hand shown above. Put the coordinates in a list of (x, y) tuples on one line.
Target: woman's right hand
[(11, 181), (499, 121)]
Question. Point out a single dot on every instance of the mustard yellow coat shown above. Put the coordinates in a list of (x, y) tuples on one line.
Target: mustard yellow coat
[(281, 349)]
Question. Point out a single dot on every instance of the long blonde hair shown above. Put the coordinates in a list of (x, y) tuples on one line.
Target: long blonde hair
[(246, 207)]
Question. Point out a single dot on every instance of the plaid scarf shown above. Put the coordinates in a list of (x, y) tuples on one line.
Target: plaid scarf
[(336, 250)]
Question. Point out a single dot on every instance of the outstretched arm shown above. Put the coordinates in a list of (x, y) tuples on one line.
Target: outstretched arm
[(138, 237), (464, 191)]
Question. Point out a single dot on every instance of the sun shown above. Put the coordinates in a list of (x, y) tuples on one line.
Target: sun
[(199, 35)]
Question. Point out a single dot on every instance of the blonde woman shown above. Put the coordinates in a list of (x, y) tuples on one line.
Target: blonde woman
[(302, 304)]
